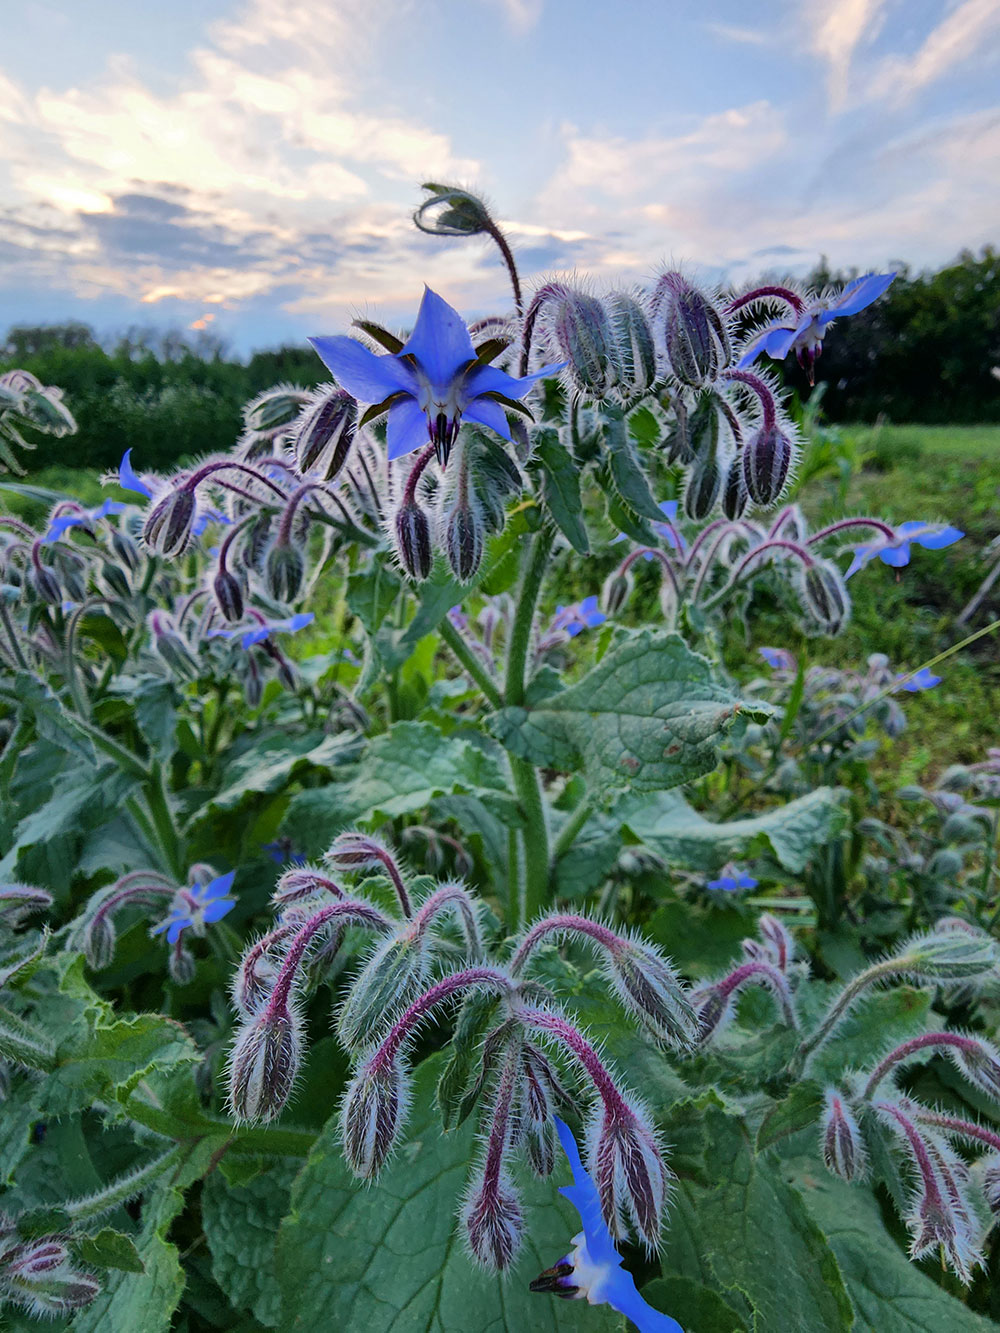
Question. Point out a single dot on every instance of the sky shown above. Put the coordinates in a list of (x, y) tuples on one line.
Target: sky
[(250, 167)]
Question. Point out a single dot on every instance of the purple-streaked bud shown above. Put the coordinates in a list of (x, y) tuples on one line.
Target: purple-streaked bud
[(373, 1112), (284, 571), (46, 584), (361, 851), (464, 540), (301, 883), (18, 901), (413, 540), (264, 1063), (617, 590), (99, 940), (579, 332), (630, 1174), (170, 522), (538, 1083), (39, 1258), (767, 461), (632, 345), (651, 991), (825, 595), (174, 649), (735, 496), (714, 1003), (325, 432), (228, 594), (253, 683), (393, 976), (979, 1061), (842, 1145), (777, 939), (693, 332), (181, 964), (702, 486), (493, 1221)]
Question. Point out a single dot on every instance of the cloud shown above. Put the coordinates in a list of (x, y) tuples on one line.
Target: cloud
[(522, 15), (843, 25), (969, 32)]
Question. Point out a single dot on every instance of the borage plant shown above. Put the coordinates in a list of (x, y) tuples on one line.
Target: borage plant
[(442, 524)]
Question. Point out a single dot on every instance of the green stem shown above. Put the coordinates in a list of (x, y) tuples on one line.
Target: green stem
[(472, 665), (889, 967), (529, 889), (24, 1044), (15, 646), (570, 830), (124, 1188), (158, 801)]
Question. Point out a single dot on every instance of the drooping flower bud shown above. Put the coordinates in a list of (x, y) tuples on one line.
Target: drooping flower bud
[(228, 594), (325, 432), (170, 522), (115, 579), (778, 941), (264, 1063), (284, 571), (735, 496), (991, 1184), (413, 540), (464, 539), (632, 344), (767, 461), (39, 1276), (842, 1145), (951, 955), (253, 981), (392, 977), (692, 331), (651, 991), (181, 964), (373, 1112), (99, 940), (46, 584), (825, 595), (617, 590), (125, 549), (275, 410), (579, 332), (702, 487), (630, 1173), (493, 1220), (452, 211)]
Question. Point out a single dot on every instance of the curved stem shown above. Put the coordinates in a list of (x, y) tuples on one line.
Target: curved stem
[(494, 232), (571, 829), (456, 642)]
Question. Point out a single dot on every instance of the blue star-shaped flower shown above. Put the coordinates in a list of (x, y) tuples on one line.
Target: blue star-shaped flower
[(924, 679), (197, 907), (580, 616), (81, 518), (805, 335), (131, 481), (594, 1269), (434, 381), (731, 880), (780, 659), (264, 629), (931, 536)]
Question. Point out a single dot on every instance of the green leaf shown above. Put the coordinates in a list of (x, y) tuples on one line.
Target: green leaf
[(626, 469), (241, 1226), (647, 717), (693, 1305), (888, 1292), (146, 1300), (881, 1020), (372, 592), (435, 598), (799, 1110), (109, 1249), (561, 488), (759, 1241), (702, 939), (276, 761), (792, 832), (388, 1256)]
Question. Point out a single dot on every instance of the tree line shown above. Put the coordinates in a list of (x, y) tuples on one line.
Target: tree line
[(924, 353)]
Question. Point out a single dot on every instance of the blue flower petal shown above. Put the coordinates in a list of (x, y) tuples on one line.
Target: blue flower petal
[(778, 342), (368, 377), (935, 541), (128, 480), (622, 1295), (300, 620), (490, 379), (857, 295), (488, 413), (217, 909), (218, 888), (583, 1195), (178, 924), (896, 556), (440, 340), (406, 429)]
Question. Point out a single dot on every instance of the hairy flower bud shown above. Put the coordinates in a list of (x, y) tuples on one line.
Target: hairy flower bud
[(39, 1276), (275, 410), (693, 333), (979, 1061), (325, 432), (951, 955), (170, 522), (228, 594), (651, 991), (46, 584), (630, 1174), (701, 490), (374, 1109), (493, 1220), (778, 942), (842, 1145), (452, 211), (253, 981), (284, 571), (413, 540), (115, 579), (464, 541), (767, 461), (825, 596), (181, 965), (99, 940), (125, 549), (391, 978), (617, 590), (735, 496), (264, 1063), (991, 1183), (580, 333), (632, 343)]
